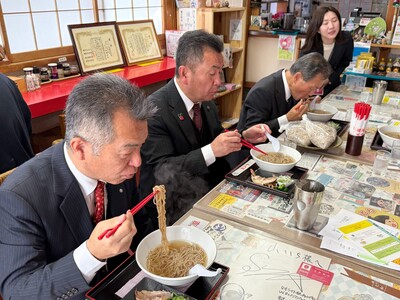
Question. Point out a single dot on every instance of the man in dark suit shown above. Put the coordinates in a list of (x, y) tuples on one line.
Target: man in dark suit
[(272, 100), (188, 159), (49, 246), (15, 123)]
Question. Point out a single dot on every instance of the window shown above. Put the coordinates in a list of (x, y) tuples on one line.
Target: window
[(38, 29)]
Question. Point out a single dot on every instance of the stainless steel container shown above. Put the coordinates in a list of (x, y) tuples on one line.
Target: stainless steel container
[(288, 20), (307, 198)]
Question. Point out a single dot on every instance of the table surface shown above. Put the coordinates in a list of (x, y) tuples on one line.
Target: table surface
[(341, 168)]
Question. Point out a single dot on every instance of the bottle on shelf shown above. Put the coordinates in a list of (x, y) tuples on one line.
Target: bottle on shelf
[(389, 65), (36, 77), (382, 67), (29, 79), (396, 65)]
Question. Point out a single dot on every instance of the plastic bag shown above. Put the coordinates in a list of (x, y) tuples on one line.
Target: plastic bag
[(297, 133), (321, 134)]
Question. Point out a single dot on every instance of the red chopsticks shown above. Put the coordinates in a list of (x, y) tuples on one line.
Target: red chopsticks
[(109, 232), (251, 146)]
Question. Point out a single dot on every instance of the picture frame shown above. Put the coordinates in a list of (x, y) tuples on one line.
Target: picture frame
[(96, 46), (139, 41)]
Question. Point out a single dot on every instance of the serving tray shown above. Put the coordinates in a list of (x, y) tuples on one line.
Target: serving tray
[(343, 125), (244, 178), (202, 288), (377, 143)]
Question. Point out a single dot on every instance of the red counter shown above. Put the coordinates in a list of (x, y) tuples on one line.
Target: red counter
[(53, 96)]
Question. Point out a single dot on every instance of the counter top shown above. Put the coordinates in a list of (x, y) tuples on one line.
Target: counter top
[(53, 96)]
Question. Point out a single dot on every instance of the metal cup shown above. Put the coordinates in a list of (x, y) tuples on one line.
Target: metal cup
[(379, 89), (307, 198)]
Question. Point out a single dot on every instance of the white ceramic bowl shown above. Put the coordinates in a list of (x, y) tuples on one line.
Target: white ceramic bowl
[(182, 233), (331, 111), (388, 128), (271, 167)]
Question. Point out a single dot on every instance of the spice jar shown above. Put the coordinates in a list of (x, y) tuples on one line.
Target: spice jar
[(74, 70), (67, 69), (36, 77), (60, 70), (53, 70), (44, 75), (29, 80)]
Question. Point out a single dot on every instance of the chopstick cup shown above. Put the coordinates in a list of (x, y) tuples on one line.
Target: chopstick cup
[(109, 232)]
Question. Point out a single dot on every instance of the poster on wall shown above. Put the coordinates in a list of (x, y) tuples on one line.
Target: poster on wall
[(286, 47)]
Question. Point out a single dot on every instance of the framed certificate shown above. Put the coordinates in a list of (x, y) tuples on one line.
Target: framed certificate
[(139, 41), (96, 46)]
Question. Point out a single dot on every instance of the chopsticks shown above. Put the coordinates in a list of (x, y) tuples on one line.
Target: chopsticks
[(250, 145), (359, 118), (109, 232)]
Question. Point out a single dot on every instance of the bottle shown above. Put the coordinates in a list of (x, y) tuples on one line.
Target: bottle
[(389, 65), (60, 70), (382, 65), (44, 75), (396, 65), (29, 80), (36, 77), (66, 69), (53, 70)]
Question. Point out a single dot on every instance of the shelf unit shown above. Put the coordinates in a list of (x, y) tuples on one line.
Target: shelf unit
[(218, 21)]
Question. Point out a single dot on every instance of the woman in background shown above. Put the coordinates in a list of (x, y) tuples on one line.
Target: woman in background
[(325, 35)]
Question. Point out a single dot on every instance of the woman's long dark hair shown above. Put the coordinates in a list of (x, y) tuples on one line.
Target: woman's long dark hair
[(313, 37)]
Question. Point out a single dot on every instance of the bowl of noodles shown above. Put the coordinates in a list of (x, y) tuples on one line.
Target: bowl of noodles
[(389, 134), (187, 246), (322, 112), (276, 162)]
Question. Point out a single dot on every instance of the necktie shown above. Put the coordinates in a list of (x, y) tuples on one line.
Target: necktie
[(99, 197), (291, 102), (197, 116)]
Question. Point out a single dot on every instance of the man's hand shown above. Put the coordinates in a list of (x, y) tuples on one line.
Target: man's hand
[(116, 244), (297, 111), (226, 143), (256, 133)]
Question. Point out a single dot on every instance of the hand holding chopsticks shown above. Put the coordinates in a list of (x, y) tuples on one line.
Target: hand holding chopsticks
[(109, 232), (250, 145)]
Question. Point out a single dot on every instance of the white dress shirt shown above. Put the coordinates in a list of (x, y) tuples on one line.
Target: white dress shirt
[(207, 151), (282, 120), (87, 264)]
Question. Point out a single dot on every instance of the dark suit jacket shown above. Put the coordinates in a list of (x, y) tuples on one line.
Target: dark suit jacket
[(341, 56), (172, 154), (15, 124), (44, 218), (265, 103)]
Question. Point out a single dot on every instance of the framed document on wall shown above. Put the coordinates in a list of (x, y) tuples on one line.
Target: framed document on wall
[(139, 41), (96, 46)]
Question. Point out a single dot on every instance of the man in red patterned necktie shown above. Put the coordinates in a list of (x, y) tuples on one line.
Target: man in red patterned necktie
[(59, 254)]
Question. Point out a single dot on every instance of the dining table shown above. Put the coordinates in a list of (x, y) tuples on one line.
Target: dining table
[(259, 246)]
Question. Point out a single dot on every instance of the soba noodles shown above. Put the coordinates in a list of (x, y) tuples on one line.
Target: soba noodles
[(172, 259), (276, 158), (395, 135)]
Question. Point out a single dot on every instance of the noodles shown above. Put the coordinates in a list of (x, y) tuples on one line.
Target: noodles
[(395, 135), (277, 158), (172, 259), (159, 201)]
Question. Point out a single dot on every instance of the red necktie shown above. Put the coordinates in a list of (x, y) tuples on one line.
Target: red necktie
[(99, 197), (197, 116)]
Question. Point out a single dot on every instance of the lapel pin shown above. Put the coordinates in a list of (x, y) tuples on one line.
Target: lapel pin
[(180, 116)]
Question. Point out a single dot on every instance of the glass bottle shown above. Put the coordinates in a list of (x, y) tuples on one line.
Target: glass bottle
[(29, 80), (53, 70), (60, 70), (36, 77), (67, 69), (396, 65), (382, 65), (44, 75), (389, 65)]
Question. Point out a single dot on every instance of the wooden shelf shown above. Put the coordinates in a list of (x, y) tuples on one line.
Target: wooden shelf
[(385, 46), (238, 87), (221, 9)]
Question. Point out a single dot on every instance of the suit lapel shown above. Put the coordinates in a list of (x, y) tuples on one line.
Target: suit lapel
[(180, 114), (72, 203)]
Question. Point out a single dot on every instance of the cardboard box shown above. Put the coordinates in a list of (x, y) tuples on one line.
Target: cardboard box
[(20, 81)]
